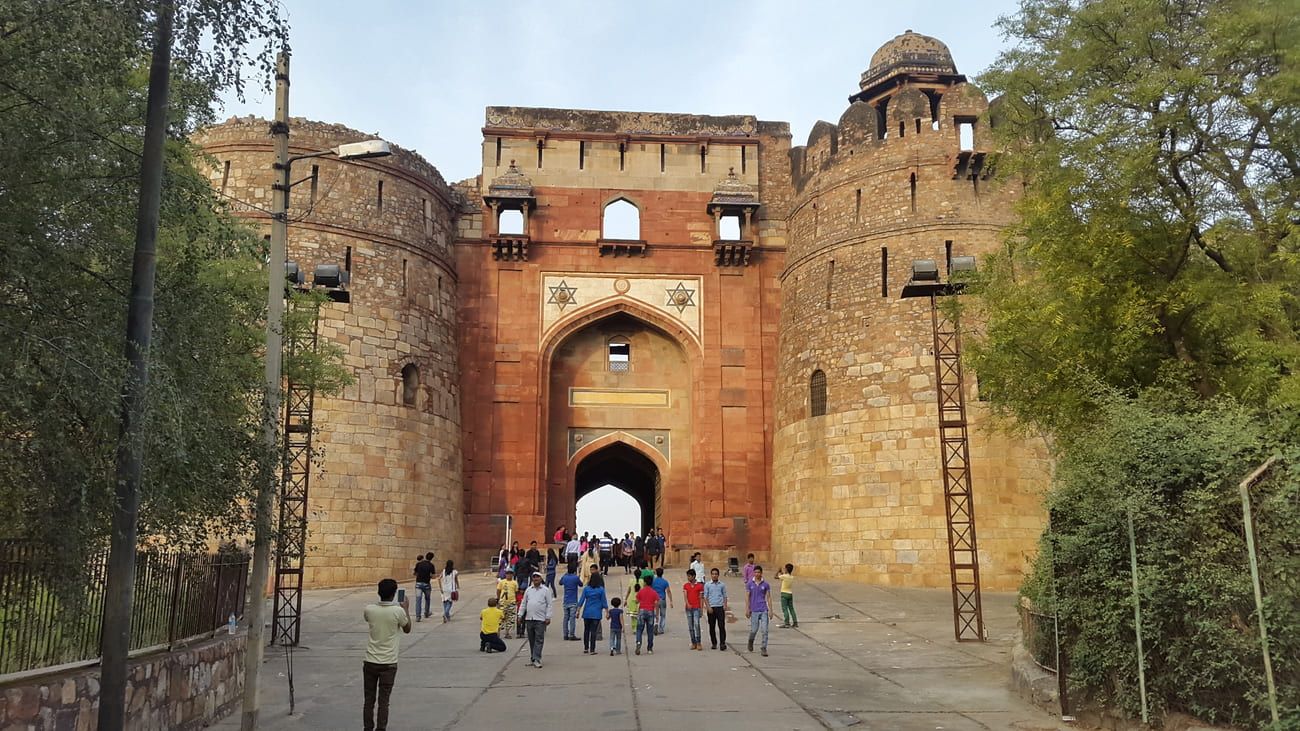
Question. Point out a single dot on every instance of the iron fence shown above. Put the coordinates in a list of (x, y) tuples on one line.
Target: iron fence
[(51, 609), (1039, 632)]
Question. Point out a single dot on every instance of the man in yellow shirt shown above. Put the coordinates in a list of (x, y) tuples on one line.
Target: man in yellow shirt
[(379, 670), (489, 639)]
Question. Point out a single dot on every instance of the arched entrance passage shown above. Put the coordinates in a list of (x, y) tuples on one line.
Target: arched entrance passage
[(616, 376), (621, 465)]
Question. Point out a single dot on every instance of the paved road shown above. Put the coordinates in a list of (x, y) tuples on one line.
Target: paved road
[(863, 657)]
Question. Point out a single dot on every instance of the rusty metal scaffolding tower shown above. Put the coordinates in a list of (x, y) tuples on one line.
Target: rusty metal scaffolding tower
[(954, 449), (291, 543)]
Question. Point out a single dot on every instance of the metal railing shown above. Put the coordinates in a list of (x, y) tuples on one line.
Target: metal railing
[(1039, 632), (51, 609)]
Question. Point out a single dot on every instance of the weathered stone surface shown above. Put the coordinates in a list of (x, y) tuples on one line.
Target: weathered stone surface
[(70, 701)]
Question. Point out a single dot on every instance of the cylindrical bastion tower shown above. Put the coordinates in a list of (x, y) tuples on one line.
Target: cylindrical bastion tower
[(857, 486), (389, 484)]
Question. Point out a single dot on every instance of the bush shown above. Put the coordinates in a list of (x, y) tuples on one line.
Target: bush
[(1177, 471)]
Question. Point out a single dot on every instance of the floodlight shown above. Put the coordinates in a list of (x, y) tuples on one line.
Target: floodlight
[(961, 265), (362, 150), (331, 276), (293, 273), (925, 270)]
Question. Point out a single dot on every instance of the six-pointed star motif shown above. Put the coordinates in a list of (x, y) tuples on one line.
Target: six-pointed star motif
[(681, 297), (562, 295)]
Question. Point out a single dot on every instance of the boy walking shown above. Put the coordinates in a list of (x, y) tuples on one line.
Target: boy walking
[(665, 592), (647, 598), (788, 617), (615, 627), (759, 607), (694, 593), (379, 671), (489, 630)]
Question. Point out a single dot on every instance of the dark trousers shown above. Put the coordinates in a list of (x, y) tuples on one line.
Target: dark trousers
[(536, 630), (718, 620), (590, 628), (377, 680), (491, 642)]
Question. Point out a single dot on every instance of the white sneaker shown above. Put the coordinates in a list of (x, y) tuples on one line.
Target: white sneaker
[(538, 665)]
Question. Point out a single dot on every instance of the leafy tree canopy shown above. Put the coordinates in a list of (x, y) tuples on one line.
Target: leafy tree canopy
[(1159, 145), (72, 97)]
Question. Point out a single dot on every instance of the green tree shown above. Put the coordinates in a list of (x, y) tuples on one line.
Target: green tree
[(1143, 315), (72, 92), (1160, 144)]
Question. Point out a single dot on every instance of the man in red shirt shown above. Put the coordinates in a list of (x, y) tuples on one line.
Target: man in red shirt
[(647, 600), (694, 591)]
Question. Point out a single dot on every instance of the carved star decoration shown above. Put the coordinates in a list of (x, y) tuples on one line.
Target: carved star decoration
[(562, 295), (680, 297)]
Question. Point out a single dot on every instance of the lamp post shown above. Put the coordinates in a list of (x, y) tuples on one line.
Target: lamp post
[(274, 355), (954, 447)]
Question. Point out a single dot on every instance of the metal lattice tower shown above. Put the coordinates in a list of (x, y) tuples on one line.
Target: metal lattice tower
[(963, 553), (291, 545)]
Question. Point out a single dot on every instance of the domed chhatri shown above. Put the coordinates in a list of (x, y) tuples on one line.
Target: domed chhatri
[(905, 54)]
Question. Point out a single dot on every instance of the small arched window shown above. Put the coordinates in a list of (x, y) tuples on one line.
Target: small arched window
[(510, 223), (620, 355), (621, 220), (817, 394), (410, 384)]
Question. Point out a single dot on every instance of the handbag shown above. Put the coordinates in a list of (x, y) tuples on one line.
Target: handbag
[(455, 596)]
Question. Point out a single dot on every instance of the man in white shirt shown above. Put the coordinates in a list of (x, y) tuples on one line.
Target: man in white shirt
[(572, 550), (379, 670), (536, 610)]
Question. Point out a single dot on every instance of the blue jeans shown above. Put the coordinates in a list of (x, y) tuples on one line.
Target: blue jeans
[(616, 640), (693, 624), (757, 623), (646, 624), (570, 621), (446, 609), (423, 593), (663, 615)]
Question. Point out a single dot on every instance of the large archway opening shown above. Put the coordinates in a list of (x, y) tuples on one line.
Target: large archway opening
[(608, 508), (623, 467)]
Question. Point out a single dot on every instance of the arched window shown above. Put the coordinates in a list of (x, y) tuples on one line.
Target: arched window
[(620, 354), (510, 223), (817, 394), (621, 220), (410, 384)]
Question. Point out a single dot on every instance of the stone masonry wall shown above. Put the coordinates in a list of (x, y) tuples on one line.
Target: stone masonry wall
[(184, 689), (859, 491), (389, 485)]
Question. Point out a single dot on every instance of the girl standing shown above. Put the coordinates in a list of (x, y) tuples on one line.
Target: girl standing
[(592, 606), (507, 588), (450, 589)]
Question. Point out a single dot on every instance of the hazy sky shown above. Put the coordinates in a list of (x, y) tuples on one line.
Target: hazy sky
[(420, 73)]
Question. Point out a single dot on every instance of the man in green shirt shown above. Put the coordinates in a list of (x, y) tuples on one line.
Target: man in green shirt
[(380, 667)]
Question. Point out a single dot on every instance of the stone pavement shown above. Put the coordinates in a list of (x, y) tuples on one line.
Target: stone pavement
[(864, 657)]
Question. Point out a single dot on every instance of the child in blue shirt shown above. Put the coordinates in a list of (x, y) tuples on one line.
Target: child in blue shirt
[(615, 627)]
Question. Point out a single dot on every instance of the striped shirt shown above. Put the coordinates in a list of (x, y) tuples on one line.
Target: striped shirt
[(606, 545)]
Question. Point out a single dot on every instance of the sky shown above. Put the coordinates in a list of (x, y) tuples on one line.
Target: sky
[(608, 509), (419, 74)]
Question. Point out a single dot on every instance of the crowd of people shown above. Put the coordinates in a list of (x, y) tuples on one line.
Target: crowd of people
[(523, 603)]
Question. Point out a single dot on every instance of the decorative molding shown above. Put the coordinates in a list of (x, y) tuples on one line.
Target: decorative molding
[(659, 440), (569, 295)]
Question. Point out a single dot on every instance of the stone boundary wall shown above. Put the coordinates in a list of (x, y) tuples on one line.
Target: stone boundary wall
[(177, 690)]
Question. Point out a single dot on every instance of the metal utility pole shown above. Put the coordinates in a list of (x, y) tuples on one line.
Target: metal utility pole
[(115, 644), (266, 488)]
